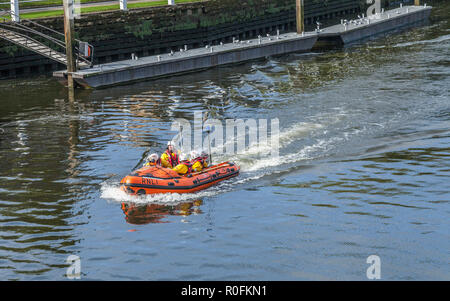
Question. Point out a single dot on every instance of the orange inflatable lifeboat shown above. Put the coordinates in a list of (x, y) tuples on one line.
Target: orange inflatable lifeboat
[(157, 179)]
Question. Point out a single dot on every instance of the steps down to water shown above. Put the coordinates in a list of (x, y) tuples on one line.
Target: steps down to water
[(35, 46)]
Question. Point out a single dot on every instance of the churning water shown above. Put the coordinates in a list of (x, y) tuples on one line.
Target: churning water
[(363, 169)]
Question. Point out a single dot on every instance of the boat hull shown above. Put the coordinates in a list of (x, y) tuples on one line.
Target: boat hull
[(146, 181)]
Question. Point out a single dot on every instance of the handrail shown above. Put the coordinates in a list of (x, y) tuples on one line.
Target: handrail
[(26, 29), (21, 27), (33, 40)]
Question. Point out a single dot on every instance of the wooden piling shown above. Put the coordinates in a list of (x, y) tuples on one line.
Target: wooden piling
[(300, 16), (70, 42)]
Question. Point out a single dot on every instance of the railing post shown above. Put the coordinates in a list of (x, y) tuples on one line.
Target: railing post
[(15, 14), (170, 2), (123, 4), (300, 16)]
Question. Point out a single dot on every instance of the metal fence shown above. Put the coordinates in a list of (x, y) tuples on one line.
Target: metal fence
[(15, 5)]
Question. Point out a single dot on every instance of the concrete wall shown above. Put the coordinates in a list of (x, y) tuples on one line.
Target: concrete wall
[(149, 31)]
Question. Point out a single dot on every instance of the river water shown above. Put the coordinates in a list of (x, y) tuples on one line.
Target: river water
[(363, 169)]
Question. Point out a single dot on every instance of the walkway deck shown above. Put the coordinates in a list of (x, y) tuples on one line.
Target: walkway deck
[(189, 61)]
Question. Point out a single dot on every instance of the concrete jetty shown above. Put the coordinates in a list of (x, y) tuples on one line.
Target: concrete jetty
[(190, 60), (350, 31)]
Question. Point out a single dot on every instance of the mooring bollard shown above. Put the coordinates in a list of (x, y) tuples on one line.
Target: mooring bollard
[(318, 26)]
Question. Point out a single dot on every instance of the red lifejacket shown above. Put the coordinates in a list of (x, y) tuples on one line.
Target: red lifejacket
[(198, 159), (173, 158), (188, 164)]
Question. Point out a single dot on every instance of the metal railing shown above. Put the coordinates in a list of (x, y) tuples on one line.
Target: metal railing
[(30, 41), (46, 35), (169, 2)]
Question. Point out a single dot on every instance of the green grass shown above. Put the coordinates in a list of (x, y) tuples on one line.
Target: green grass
[(44, 14), (44, 3), (49, 3), (94, 9)]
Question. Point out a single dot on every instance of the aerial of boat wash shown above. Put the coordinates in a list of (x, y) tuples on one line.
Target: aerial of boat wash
[(325, 164)]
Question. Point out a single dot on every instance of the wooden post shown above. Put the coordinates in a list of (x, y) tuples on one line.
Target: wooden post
[(68, 33), (123, 4), (417, 2), (300, 16), (15, 14)]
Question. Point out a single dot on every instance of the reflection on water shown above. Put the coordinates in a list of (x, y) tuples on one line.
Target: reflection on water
[(141, 214), (363, 169)]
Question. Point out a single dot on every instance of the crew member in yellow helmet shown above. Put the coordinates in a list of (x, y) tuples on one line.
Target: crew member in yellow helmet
[(152, 160), (184, 166), (199, 161), (205, 158), (169, 158)]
